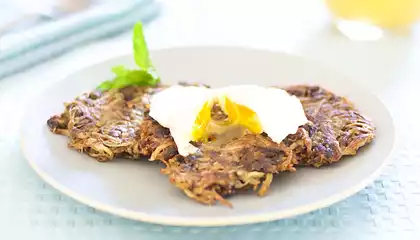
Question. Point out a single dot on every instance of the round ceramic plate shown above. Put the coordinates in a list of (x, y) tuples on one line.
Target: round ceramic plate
[(137, 190)]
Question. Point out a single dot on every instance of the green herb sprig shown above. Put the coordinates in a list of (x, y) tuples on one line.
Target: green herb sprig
[(144, 76)]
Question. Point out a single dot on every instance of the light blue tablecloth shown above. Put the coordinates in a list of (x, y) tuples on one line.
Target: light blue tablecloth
[(26, 49)]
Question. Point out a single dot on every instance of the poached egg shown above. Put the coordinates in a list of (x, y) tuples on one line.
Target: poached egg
[(187, 112)]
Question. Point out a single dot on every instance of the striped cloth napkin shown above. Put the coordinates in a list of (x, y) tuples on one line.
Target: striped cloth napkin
[(26, 49)]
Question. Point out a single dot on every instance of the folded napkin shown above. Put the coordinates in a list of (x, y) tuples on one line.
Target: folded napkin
[(20, 51)]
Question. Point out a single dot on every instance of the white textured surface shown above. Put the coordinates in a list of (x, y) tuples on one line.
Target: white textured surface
[(387, 209)]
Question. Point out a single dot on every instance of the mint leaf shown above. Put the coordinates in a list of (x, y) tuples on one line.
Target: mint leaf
[(120, 70), (144, 76), (105, 85), (127, 77), (141, 52)]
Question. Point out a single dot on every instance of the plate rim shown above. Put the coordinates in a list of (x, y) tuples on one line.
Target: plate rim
[(202, 221)]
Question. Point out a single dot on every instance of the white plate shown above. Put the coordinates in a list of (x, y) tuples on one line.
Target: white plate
[(136, 189)]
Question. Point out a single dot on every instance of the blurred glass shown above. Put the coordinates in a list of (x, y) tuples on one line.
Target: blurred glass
[(372, 19)]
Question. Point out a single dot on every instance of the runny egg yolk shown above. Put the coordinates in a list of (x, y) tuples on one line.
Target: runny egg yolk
[(237, 115)]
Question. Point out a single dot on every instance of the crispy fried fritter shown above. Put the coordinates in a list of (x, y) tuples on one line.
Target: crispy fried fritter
[(336, 128), (105, 125), (217, 171)]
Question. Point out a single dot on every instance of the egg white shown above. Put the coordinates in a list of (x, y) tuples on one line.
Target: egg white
[(177, 108)]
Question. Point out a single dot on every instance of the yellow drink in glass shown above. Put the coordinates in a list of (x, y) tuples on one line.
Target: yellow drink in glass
[(384, 14)]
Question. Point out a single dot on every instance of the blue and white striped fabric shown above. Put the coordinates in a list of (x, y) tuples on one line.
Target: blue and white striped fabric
[(27, 49)]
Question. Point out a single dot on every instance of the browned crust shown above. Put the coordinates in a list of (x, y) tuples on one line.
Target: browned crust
[(104, 125), (336, 127)]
